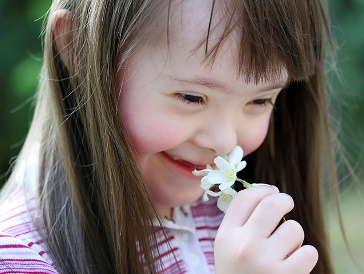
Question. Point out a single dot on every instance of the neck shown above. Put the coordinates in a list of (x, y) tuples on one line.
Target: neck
[(165, 212)]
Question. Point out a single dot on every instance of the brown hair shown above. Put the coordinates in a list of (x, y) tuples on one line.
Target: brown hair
[(96, 209)]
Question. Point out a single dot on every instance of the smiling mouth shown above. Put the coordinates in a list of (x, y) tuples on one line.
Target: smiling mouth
[(187, 164)]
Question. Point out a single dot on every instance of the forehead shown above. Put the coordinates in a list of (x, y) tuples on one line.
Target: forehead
[(191, 22), (197, 27)]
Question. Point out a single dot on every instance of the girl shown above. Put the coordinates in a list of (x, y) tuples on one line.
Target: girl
[(134, 96)]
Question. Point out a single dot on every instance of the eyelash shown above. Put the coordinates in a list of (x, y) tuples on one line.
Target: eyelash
[(190, 99), (264, 102), (198, 100)]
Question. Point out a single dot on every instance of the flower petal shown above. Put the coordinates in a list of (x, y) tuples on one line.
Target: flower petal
[(213, 194), (222, 164), (216, 177), (205, 198), (235, 155), (225, 185), (241, 166), (205, 183), (224, 201), (230, 191), (202, 172)]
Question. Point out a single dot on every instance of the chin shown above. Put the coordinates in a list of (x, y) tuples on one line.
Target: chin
[(179, 198)]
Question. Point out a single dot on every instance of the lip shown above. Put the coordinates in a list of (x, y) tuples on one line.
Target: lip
[(183, 167)]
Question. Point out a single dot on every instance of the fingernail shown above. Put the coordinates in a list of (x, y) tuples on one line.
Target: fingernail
[(260, 184), (263, 184), (275, 188)]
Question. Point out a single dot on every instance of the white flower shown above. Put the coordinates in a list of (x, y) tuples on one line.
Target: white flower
[(225, 176), (225, 198)]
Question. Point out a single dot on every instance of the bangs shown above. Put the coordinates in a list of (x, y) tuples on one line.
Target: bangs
[(272, 36)]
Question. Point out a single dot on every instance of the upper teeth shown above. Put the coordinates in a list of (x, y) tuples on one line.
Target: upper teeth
[(174, 157)]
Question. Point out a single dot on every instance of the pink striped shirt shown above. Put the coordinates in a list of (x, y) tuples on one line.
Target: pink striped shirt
[(22, 250), (187, 249)]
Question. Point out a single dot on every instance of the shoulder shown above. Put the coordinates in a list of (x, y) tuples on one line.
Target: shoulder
[(17, 256), (22, 250)]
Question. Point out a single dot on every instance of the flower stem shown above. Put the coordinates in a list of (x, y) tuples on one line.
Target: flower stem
[(245, 183)]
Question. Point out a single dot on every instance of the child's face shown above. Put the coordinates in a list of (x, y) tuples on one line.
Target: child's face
[(181, 114)]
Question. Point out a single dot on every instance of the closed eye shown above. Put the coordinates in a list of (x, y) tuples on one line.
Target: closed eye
[(188, 98), (264, 102)]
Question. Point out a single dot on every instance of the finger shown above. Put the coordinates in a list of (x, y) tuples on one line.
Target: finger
[(287, 239), (302, 261), (244, 203), (269, 212)]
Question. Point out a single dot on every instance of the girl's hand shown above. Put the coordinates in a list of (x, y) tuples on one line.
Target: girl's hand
[(248, 241)]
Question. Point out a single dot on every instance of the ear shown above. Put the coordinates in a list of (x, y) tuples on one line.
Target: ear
[(62, 32)]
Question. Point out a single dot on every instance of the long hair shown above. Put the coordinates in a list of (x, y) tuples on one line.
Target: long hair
[(97, 213)]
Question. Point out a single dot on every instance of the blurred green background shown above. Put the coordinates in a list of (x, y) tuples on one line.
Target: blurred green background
[(21, 59)]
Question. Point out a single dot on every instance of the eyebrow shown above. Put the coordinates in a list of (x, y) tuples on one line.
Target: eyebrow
[(217, 85)]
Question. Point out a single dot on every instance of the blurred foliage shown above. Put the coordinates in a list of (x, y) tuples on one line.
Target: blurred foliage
[(347, 101), (21, 59)]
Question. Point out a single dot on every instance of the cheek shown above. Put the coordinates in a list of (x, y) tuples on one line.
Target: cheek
[(148, 133), (254, 137), (148, 124), (149, 129)]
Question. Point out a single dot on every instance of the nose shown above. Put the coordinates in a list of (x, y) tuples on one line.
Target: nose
[(219, 135)]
